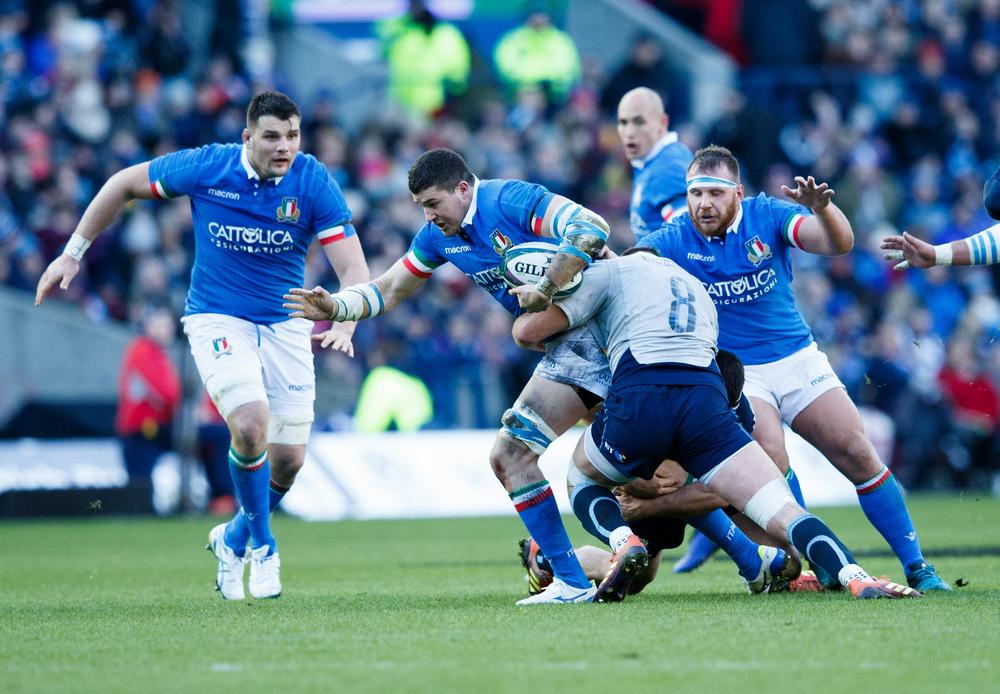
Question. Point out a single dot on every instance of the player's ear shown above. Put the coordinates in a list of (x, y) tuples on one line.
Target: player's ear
[(246, 136)]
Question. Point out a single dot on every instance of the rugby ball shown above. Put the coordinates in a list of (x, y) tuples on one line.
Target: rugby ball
[(525, 263)]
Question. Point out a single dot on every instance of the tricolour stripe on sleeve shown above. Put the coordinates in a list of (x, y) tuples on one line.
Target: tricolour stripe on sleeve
[(160, 190), (791, 231), (536, 225), (417, 265), (328, 236)]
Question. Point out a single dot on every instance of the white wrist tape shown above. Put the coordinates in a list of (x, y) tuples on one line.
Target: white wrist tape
[(357, 302), (942, 254), (77, 246)]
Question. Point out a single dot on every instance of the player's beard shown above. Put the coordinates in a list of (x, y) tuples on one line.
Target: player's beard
[(720, 221)]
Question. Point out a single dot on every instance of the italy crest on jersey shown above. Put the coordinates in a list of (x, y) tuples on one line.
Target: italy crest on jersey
[(289, 210), (757, 250), (500, 242)]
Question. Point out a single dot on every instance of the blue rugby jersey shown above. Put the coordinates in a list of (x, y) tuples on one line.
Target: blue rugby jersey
[(251, 236), (659, 186), (503, 213), (748, 274)]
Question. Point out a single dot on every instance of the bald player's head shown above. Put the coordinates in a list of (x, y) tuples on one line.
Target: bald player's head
[(642, 121)]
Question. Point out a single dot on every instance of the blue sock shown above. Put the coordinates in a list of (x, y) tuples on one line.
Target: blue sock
[(882, 501), (793, 484), (598, 510), (818, 544), (538, 510), (238, 529), (250, 478), (718, 528)]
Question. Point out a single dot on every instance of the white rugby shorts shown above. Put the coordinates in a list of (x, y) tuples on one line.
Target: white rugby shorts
[(791, 384), (576, 359), (241, 362)]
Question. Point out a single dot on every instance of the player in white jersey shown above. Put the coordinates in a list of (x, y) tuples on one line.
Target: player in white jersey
[(256, 208), (668, 400)]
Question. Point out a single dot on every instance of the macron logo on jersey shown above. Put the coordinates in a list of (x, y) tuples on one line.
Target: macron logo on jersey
[(227, 194), (457, 249), (702, 258)]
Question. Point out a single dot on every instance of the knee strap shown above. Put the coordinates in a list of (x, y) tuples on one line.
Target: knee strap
[(527, 426), (767, 501)]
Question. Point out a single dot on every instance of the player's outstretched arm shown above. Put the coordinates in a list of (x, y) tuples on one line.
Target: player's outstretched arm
[(827, 232), (126, 185), (348, 262), (356, 302), (914, 252)]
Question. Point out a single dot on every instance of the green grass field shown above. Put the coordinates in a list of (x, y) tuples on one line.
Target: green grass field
[(414, 606)]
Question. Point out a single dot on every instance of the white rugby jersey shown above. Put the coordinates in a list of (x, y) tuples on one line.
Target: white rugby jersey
[(649, 306)]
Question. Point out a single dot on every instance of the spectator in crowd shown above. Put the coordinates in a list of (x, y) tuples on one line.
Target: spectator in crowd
[(149, 394), (538, 56), (428, 60)]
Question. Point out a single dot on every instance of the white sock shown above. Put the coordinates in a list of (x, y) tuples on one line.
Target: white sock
[(852, 572), (619, 536)]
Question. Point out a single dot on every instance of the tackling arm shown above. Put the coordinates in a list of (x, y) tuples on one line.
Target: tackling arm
[(125, 186), (358, 301), (530, 330)]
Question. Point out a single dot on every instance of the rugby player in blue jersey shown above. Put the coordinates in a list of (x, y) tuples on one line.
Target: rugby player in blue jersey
[(668, 400), (741, 250), (659, 161), (256, 208), (471, 223), (659, 191)]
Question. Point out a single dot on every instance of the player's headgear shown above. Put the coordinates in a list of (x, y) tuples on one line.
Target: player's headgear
[(714, 157)]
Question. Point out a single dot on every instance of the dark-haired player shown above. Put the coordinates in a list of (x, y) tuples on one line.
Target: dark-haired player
[(470, 223), (256, 208)]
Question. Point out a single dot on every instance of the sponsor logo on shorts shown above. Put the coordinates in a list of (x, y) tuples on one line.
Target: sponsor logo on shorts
[(220, 346), (614, 452), (819, 379), (300, 389), (227, 194)]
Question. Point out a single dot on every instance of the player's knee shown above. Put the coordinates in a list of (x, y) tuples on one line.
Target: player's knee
[(510, 457), (249, 430)]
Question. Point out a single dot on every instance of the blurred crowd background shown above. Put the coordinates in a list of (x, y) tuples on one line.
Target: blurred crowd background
[(896, 103)]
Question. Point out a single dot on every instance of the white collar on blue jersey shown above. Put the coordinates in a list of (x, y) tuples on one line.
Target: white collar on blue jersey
[(734, 227), (248, 167), (669, 138), (472, 205)]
